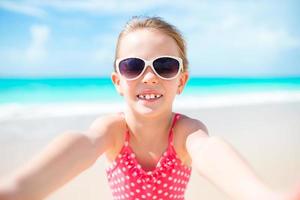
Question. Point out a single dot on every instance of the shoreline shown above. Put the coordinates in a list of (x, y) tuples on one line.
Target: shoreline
[(12, 111)]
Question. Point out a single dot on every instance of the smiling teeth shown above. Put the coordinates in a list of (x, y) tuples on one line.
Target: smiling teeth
[(149, 96)]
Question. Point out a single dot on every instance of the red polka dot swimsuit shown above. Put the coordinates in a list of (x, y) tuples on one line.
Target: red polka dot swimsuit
[(128, 180)]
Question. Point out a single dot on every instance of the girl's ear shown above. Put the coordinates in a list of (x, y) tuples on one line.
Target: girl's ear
[(116, 81), (184, 76)]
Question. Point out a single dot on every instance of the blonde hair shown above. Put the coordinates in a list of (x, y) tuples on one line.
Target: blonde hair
[(159, 24)]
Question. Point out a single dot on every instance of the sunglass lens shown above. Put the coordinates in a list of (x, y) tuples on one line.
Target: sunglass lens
[(131, 67), (166, 67)]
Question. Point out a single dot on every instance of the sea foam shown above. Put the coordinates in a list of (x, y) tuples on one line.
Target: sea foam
[(13, 111)]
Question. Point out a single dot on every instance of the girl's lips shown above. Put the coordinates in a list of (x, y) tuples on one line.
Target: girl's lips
[(149, 96)]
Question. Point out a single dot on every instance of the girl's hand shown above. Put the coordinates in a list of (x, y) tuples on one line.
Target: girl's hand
[(295, 193)]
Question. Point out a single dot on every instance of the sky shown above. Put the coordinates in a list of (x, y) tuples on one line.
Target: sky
[(69, 38)]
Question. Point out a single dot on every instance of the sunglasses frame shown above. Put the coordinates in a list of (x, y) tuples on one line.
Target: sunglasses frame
[(150, 64)]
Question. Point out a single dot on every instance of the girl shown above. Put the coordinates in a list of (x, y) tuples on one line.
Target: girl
[(150, 148)]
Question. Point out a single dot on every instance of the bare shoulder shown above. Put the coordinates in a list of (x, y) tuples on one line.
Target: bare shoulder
[(185, 129), (196, 135), (103, 130), (108, 122), (187, 125)]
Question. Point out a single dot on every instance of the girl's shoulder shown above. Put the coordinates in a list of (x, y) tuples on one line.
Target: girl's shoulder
[(187, 125), (108, 127), (109, 122)]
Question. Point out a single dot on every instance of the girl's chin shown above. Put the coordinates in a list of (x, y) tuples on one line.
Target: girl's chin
[(145, 108), (148, 110)]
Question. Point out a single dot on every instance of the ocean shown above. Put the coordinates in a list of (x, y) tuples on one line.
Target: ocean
[(85, 95)]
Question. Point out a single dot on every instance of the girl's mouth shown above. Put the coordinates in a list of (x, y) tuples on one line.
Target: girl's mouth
[(149, 96)]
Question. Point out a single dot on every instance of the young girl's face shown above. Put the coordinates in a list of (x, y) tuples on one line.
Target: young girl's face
[(148, 44)]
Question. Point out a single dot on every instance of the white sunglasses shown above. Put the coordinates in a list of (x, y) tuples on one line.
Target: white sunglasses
[(165, 67)]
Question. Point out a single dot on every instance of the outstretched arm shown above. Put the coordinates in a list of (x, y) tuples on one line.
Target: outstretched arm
[(64, 158), (221, 164)]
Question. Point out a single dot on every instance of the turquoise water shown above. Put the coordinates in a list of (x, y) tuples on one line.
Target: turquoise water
[(35, 90)]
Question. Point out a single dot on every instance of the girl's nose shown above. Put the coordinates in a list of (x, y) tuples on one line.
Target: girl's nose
[(149, 76)]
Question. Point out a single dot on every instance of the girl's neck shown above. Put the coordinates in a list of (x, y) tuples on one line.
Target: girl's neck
[(148, 128)]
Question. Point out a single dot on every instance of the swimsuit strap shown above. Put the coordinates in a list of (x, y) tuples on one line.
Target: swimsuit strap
[(127, 136), (171, 133)]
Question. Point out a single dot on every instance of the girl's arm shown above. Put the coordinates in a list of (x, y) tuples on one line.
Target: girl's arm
[(221, 164), (64, 158)]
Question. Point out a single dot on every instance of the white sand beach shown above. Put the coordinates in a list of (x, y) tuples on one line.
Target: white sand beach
[(266, 134)]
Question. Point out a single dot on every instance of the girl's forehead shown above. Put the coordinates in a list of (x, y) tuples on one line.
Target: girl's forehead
[(147, 43)]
